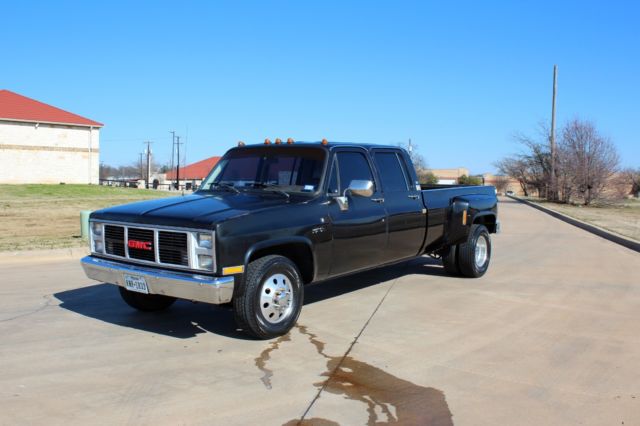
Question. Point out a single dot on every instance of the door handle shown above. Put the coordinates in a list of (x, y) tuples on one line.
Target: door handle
[(413, 197), (378, 200)]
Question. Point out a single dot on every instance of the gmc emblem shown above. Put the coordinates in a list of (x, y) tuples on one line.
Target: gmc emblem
[(140, 245)]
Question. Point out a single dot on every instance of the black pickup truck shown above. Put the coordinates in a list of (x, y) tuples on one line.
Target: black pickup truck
[(271, 218)]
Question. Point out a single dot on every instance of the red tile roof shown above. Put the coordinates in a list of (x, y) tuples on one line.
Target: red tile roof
[(195, 171), (16, 107)]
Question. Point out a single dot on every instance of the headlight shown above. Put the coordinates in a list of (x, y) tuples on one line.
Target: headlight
[(205, 262), (96, 229), (205, 240), (97, 239)]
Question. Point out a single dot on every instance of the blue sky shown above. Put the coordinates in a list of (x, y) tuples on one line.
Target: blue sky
[(458, 78)]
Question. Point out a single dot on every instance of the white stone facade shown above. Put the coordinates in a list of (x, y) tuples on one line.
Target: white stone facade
[(48, 153)]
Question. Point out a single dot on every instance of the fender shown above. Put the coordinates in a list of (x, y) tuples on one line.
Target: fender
[(280, 242)]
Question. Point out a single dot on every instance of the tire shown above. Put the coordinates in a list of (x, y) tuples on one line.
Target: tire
[(450, 261), (267, 281), (146, 302), (474, 255)]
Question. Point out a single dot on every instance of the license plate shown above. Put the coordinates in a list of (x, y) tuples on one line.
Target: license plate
[(136, 283)]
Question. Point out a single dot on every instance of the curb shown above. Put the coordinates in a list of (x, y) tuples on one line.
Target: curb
[(42, 255), (630, 244)]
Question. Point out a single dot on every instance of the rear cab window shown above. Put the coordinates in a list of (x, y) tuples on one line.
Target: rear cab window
[(392, 173)]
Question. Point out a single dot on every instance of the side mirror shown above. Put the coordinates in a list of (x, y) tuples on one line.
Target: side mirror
[(361, 188)]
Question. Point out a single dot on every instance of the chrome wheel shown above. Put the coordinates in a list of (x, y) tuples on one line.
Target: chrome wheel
[(481, 252), (276, 298)]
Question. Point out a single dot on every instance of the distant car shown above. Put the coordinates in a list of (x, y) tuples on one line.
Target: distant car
[(509, 192)]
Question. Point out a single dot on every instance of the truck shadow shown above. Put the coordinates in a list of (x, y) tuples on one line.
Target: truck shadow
[(185, 319)]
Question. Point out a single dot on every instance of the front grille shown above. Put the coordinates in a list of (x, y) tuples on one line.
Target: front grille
[(145, 236), (148, 245), (114, 240), (173, 248)]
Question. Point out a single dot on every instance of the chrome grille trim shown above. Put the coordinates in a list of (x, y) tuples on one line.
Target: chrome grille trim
[(191, 249)]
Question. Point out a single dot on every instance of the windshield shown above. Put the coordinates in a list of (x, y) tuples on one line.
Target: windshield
[(281, 169)]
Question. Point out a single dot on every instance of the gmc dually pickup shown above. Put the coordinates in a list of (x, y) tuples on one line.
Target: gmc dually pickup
[(271, 218)]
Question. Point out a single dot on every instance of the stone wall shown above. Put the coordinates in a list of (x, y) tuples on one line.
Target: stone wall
[(48, 153)]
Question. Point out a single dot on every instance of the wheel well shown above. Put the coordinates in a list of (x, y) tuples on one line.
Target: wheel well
[(488, 220), (298, 253)]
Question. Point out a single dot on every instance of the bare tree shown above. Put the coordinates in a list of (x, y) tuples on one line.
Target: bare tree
[(632, 177), (501, 183), (590, 159), (517, 168)]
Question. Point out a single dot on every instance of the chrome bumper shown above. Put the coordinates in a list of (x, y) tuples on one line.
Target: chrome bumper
[(182, 285)]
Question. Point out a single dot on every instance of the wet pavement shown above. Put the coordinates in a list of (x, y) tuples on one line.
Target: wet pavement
[(550, 335)]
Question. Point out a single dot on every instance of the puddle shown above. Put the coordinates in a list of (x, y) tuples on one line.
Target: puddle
[(261, 361), (388, 399)]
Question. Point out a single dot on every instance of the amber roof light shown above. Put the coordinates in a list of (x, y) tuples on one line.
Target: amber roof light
[(290, 141), (240, 143), (325, 142), (267, 141), (278, 141)]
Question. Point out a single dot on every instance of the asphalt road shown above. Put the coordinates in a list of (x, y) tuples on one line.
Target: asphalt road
[(549, 336)]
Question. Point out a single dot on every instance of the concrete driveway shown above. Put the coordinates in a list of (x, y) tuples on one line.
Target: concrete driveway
[(549, 336)]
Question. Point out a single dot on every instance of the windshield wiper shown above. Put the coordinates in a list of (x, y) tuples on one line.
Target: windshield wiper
[(271, 187), (226, 186)]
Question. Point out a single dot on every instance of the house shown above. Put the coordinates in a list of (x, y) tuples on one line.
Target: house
[(40, 143), (192, 175)]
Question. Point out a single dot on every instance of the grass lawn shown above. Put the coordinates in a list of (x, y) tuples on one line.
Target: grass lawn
[(623, 218), (48, 216)]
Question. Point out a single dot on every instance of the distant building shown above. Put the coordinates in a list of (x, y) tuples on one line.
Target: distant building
[(40, 143), (503, 184), (192, 175), (449, 176)]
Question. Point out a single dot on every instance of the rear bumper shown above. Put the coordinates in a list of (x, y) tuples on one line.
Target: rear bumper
[(188, 286)]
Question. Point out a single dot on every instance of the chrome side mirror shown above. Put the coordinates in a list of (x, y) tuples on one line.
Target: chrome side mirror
[(361, 188)]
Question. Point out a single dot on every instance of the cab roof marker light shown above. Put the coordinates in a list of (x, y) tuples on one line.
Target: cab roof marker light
[(290, 141), (267, 141), (240, 143), (278, 141), (325, 142)]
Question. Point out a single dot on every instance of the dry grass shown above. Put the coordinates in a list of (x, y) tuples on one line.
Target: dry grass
[(623, 218), (48, 216)]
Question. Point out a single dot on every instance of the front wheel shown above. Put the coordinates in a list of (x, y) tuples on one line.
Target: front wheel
[(269, 302)]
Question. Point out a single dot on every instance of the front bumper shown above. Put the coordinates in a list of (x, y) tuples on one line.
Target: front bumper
[(182, 285)]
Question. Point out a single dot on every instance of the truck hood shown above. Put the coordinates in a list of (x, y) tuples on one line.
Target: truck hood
[(192, 211)]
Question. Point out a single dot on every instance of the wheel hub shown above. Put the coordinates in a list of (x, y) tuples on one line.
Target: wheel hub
[(276, 298), (482, 251)]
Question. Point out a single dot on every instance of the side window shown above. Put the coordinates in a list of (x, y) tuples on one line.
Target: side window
[(333, 188), (391, 173), (353, 166)]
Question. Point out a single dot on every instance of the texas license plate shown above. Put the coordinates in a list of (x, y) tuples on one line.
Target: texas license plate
[(136, 283)]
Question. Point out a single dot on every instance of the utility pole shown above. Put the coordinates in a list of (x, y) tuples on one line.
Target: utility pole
[(554, 192), (178, 163), (173, 146), (148, 163), (140, 166)]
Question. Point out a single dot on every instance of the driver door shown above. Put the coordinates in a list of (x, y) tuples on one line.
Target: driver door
[(360, 232)]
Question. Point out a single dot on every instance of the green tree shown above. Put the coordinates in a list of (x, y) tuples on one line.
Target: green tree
[(469, 180)]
